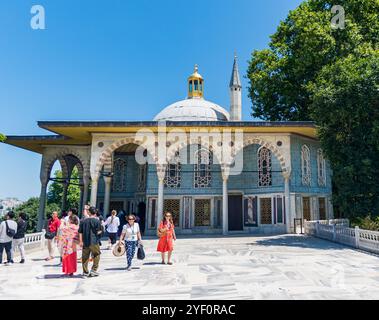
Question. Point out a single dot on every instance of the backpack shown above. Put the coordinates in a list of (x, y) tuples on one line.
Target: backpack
[(10, 232)]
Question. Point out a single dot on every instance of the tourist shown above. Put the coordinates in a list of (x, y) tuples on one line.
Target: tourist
[(166, 230), (63, 223), (19, 237), (112, 223), (132, 235), (51, 233), (90, 231), (8, 229), (71, 212), (100, 217), (122, 217), (85, 213), (69, 241)]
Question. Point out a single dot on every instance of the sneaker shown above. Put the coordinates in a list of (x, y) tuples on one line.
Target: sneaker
[(129, 268), (22, 261), (94, 274), (11, 261), (86, 274)]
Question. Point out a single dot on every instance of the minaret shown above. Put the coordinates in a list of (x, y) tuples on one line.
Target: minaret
[(235, 94)]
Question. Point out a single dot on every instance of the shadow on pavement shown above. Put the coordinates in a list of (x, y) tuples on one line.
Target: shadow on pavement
[(59, 276), (301, 242)]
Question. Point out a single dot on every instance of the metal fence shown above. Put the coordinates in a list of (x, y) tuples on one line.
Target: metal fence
[(338, 231)]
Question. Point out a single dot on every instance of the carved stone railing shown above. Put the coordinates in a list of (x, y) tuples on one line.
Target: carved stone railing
[(35, 240), (338, 231)]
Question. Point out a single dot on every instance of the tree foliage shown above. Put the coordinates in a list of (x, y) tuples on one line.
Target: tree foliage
[(55, 192), (303, 44), (314, 72), (346, 108), (31, 208), (54, 200), (2, 137)]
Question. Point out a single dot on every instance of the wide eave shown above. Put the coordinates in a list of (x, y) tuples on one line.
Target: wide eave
[(80, 132)]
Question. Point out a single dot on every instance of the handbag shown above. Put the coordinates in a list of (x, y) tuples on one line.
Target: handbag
[(140, 252), (50, 235), (161, 232), (10, 232)]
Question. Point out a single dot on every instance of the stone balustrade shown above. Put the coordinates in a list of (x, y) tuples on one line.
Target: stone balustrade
[(338, 231)]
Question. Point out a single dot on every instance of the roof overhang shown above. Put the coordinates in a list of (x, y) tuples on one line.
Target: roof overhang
[(80, 132)]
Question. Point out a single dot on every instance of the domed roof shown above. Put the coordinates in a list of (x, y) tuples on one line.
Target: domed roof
[(195, 109)]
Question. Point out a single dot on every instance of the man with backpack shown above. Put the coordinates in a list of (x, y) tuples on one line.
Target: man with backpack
[(8, 229)]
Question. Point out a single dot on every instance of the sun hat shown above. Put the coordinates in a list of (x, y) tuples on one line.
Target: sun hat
[(119, 249)]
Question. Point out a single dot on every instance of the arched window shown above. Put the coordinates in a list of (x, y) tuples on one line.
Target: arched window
[(305, 166), (119, 178), (202, 167), (321, 171), (264, 167), (173, 173)]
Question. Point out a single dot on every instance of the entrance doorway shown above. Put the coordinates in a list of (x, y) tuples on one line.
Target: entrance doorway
[(142, 216), (235, 219)]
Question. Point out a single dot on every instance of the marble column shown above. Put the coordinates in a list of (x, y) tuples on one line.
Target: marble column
[(84, 197), (161, 173), (94, 186), (42, 206), (107, 195), (160, 200), (225, 208), (289, 217), (64, 196)]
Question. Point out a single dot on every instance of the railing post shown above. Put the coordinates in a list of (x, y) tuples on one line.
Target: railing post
[(43, 241), (334, 233), (317, 229), (301, 226), (357, 237)]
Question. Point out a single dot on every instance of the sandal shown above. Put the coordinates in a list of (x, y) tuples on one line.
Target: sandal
[(163, 262), (170, 263)]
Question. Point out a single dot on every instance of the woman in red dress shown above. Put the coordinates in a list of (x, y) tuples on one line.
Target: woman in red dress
[(69, 238), (167, 230)]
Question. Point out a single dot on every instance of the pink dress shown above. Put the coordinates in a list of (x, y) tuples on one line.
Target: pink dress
[(69, 237)]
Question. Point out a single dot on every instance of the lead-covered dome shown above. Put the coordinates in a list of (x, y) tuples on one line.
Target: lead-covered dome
[(195, 109)]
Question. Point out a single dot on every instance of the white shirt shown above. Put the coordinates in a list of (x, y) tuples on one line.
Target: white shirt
[(112, 226), (131, 232), (3, 230)]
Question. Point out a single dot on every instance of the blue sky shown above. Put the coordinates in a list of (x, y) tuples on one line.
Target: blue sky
[(117, 60)]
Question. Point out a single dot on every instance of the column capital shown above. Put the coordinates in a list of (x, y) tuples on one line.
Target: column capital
[(225, 172), (286, 174)]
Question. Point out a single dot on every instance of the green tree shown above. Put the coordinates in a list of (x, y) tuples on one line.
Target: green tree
[(303, 44), (2, 137), (346, 108), (314, 72), (31, 208), (55, 192)]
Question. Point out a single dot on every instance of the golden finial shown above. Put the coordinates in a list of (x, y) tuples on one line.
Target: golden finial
[(195, 84)]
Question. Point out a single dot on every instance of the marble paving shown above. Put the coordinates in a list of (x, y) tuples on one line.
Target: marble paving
[(235, 267)]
